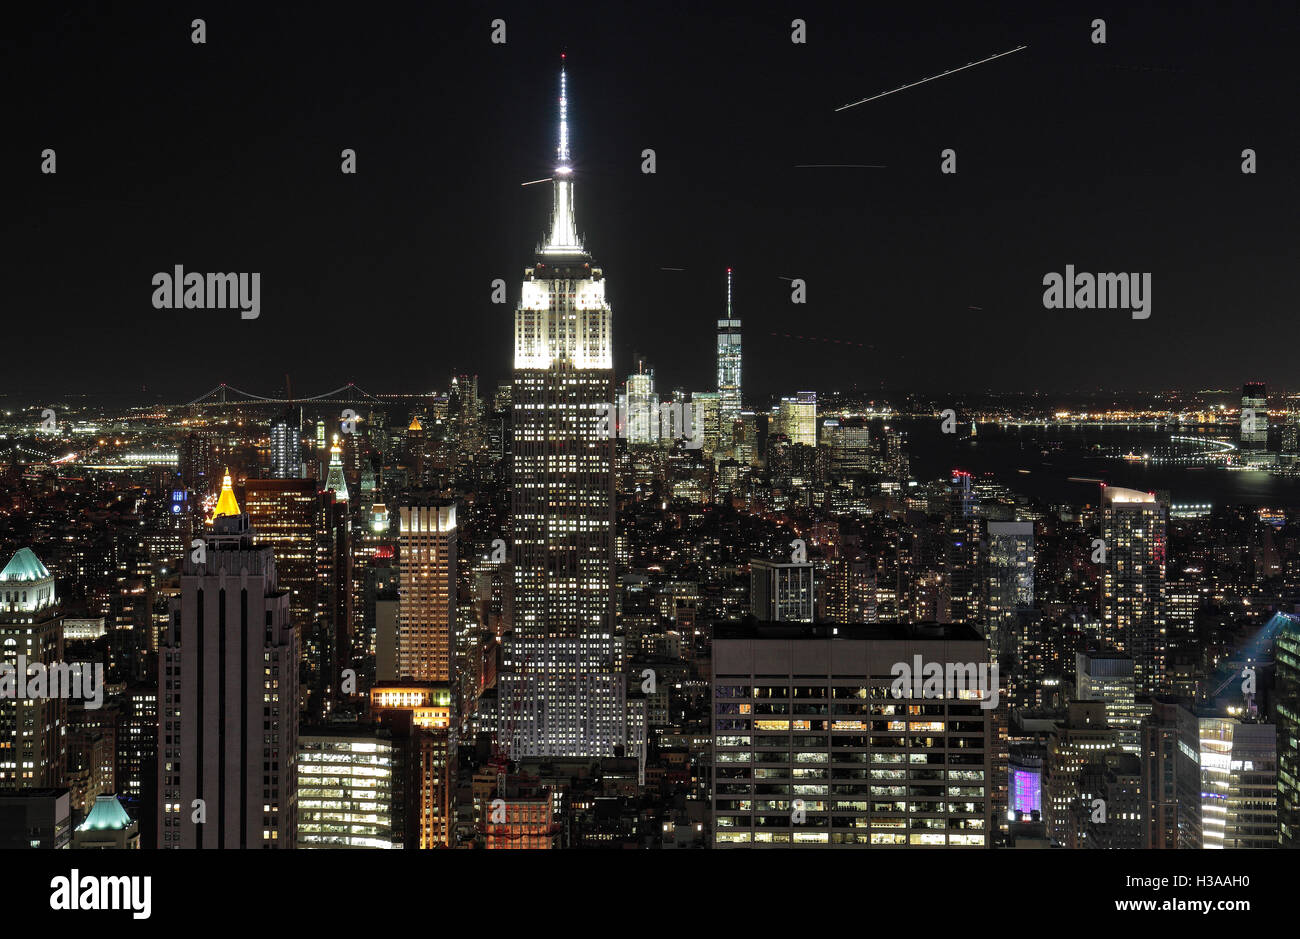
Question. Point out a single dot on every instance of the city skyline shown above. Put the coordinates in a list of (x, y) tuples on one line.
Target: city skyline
[(647, 511)]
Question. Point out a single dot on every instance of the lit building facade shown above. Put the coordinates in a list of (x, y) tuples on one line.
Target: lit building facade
[(1238, 784), (1133, 587), (562, 499), (806, 756), (347, 782), (228, 719), (426, 607), (33, 728), (729, 371)]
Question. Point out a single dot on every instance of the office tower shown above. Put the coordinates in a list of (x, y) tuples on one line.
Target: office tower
[(33, 745), (1171, 777), (851, 591), (1072, 744), (107, 827), (1287, 687), (562, 498), (1112, 802), (781, 591), (348, 778), (1254, 417), (228, 720), (286, 445), (307, 530), (1108, 677), (729, 369), (197, 461), (850, 442), (704, 423), (419, 717), (869, 769), (965, 586), (1011, 581), (334, 479), (426, 617), (35, 818), (642, 407), (796, 418), (1238, 784), (1133, 581)]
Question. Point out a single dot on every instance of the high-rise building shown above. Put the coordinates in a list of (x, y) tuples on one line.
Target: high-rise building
[(1133, 581), (348, 779), (1254, 416), (963, 550), (335, 481), (850, 442), (642, 405), (307, 530), (33, 728), (1108, 677), (286, 445), (562, 497), (419, 717), (851, 591), (426, 606), (1238, 784), (1287, 685), (870, 768), (1072, 745), (1011, 581), (228, 719), (782, 591), (796, 418), (1171, 776), (729, 369)]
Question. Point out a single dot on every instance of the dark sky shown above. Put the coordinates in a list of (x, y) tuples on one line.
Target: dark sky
[(225, 157)]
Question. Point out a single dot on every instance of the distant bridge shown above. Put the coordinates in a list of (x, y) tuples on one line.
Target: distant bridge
[(225, 394)]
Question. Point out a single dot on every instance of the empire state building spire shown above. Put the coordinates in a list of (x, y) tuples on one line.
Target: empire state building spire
[(563, 237)]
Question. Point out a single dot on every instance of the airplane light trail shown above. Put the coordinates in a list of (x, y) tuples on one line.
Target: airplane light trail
[(931, 78)]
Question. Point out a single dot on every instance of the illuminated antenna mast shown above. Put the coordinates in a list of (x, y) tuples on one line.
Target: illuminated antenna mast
[(728, 293), (563, 149)]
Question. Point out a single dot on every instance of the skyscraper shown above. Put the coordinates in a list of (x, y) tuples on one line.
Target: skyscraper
[(426, 617), (560, 660), (729, 363), (1011, 580), (1254, 416), (966, 592), (307, 529), (1133, 581), (1287, 654), (1171, 776), (228, 721), (286, 446), (33, 728)]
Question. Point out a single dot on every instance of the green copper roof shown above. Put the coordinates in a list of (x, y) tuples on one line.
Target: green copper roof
[(106, 813), (25, 565)]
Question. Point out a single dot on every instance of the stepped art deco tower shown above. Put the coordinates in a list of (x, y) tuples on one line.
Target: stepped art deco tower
[(561, 692)]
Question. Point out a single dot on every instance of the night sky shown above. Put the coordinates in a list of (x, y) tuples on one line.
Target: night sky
[(225, 157)]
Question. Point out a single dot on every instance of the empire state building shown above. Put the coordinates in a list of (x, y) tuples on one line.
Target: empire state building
[(562, 691)]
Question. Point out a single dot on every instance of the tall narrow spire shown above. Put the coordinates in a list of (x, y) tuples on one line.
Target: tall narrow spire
[(728, 293), (563, 238), (563, 149)]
